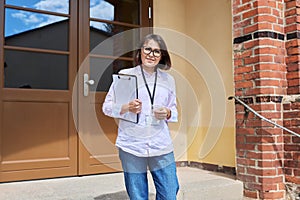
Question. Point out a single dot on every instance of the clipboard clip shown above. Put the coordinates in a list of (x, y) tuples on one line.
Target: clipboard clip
[(123, 77)]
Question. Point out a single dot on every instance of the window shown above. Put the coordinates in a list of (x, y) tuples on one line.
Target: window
[(36, 44), (108, 18)]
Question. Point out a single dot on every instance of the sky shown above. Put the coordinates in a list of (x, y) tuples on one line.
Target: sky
[(17, 21)]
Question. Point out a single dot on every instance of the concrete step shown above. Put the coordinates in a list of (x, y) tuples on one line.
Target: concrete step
[(195, 184), (205, 185)]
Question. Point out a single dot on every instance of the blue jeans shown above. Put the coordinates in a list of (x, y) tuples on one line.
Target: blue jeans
[(163, 171)]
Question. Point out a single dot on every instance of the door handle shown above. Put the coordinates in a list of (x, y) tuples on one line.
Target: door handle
[(86, 84)]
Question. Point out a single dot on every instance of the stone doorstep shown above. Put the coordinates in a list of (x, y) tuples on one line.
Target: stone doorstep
[(195, 184), (121, 195), (216, 189)]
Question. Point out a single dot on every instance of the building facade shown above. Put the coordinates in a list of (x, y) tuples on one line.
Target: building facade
[(249, 47), (266, 60)]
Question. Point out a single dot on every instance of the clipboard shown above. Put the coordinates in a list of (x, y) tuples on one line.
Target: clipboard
[(125, 90)]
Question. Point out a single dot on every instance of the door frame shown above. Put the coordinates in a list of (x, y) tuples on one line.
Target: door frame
[(78, 50), (89, 164), (46, 167)]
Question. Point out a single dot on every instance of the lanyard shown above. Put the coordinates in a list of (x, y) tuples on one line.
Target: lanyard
[(154, 87)]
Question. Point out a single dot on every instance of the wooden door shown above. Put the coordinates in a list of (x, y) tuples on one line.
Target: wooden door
[(100, 56), (42, 50), (38, 65)]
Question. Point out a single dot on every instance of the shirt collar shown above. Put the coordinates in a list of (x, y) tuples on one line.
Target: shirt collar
[(139, 72)]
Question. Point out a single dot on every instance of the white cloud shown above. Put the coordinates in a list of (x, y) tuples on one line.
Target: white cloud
[(93, 2), (27, 18), (34, 20), (19, 15), (60, 6), (102, 10), (98, 9)]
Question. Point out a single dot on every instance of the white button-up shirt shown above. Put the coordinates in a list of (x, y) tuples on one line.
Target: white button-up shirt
[(142, 139)]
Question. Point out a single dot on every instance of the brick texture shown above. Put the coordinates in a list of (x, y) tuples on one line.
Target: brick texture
[(292, 45), (291, 110), (260, 75), (291, 117)]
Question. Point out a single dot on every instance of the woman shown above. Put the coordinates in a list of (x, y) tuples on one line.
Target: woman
[(148, 144)]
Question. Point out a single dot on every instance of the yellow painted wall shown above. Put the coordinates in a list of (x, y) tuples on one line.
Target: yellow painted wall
[(207, 23)]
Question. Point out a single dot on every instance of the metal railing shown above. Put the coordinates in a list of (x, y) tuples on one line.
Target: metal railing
[(262, 117)]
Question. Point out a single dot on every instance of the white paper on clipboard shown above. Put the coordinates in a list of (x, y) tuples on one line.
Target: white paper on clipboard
[(125, 90)]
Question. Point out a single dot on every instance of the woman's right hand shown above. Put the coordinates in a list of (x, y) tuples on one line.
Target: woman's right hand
[(134, 106)]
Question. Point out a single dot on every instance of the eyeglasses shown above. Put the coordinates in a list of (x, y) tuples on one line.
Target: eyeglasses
[(148, 50)]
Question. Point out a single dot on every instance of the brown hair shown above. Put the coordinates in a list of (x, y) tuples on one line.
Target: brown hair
[(165, 61)]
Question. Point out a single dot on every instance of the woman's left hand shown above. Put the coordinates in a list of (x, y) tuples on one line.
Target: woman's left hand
[(161, 113)]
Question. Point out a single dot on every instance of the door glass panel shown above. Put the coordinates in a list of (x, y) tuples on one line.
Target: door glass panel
[(59, 6), (122, 10), (102, 31), (101, 71), (28, 29), (35, 70)]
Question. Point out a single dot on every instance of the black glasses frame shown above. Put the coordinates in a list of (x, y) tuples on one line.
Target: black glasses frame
[(149, 50)]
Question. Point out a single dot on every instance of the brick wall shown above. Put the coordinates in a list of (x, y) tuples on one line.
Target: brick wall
[(292, 19), (292, 143), (292, 109), (260, 76)]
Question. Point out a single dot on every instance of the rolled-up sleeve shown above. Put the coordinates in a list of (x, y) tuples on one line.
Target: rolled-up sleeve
[(172, 104)]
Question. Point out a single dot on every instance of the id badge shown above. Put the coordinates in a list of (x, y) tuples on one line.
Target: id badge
[(150, 120)]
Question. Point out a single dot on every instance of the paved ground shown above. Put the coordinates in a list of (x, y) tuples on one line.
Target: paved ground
[(195, 184)]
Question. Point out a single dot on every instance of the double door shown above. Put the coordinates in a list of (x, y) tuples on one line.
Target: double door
[(56, 62)]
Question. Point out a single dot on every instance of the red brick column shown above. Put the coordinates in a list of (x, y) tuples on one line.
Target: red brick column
[(292, 109), (260, 80), (292, 143), (292, 20)]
